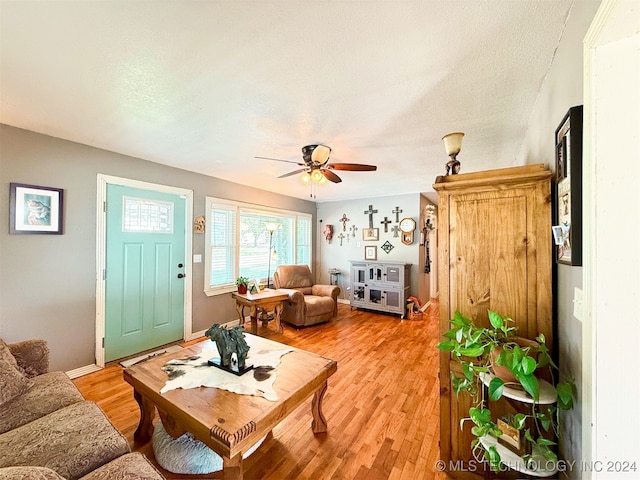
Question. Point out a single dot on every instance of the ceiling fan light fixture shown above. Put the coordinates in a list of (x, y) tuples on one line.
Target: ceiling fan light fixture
[(305, 178), (317, 176), (320, 154), (323, 180)]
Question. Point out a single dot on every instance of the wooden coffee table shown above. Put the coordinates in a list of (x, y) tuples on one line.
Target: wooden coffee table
[(267, 300), (226, 422)]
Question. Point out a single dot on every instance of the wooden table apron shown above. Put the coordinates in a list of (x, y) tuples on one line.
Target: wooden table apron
[(227, 422), (267, 300)]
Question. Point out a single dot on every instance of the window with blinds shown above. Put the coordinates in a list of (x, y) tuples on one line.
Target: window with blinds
[(239, 244)]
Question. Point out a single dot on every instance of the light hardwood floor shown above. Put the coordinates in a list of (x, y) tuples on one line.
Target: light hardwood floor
[(382, 404)]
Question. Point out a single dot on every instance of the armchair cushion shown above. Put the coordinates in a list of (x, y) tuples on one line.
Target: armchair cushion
[(308, 303)]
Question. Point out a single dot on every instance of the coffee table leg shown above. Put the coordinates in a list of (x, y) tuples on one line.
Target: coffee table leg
[(319, 424), (147, 412), (232, 468)]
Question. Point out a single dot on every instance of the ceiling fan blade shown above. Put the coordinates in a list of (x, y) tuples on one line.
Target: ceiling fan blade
[(279, 160), (293, 173), (329, 175), (354, 167)]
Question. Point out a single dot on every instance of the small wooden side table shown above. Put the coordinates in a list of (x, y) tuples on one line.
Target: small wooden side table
[(267, 300)]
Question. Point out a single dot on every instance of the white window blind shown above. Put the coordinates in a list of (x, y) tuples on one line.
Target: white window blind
[(222, 245), (238, 243)]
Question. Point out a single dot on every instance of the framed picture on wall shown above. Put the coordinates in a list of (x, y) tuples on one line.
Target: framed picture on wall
[(370, 252), (370, 234), (568, 195), (34, 209)]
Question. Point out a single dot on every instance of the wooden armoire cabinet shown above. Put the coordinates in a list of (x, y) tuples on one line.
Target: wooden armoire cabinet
[(494, 251)]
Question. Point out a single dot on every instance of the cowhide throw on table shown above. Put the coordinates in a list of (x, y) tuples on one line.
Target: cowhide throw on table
[(194, 371)]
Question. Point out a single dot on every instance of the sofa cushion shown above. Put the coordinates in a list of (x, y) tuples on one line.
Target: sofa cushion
[(72, 441), (28, 473), (133, 466), (32, 356), (6, 355), (50, 392), (12, 382)]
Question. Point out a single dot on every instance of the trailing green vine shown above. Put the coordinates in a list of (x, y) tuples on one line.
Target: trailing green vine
[(473, 348)]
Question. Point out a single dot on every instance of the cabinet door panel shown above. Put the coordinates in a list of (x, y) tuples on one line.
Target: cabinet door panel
[(374, 295), (392, 274), (392, 298), (488, 256)]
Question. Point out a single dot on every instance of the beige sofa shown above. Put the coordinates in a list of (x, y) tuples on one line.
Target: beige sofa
[(308, 304), (49, 431)]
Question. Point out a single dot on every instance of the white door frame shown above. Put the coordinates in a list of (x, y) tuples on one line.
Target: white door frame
[(101, 224), (606, 398)]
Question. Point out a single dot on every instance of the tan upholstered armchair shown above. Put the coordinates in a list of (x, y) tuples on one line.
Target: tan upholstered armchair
[(308, 303)]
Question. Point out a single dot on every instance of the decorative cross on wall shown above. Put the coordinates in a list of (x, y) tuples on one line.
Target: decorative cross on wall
[(370, 212), (353, 229), (341, 236), (395, 229), (397, 211), (386, 223), (344, 221)]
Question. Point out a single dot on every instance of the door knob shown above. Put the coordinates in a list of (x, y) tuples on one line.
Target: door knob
[(181, 275)]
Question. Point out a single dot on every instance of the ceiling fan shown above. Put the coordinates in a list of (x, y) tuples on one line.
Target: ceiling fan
[(316, 166)]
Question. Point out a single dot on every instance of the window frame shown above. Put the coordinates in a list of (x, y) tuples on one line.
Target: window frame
[(212, 202)]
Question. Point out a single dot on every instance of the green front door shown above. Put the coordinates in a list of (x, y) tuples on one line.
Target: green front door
[(145, 265)]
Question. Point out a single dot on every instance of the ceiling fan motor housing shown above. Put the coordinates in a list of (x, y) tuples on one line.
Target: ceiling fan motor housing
[(318, 154)]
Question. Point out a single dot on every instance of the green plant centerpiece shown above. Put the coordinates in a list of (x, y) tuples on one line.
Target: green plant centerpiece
[(242, 283), (498, 354)]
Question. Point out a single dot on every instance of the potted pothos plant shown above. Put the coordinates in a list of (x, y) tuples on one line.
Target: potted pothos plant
[(242, 283), (497, 353)]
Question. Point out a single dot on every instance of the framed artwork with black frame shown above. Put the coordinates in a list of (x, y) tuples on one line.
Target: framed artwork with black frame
[(34, 209), (568, 191)]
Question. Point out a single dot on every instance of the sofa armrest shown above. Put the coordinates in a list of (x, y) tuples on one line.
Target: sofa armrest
[(326, 291), (32, 356)]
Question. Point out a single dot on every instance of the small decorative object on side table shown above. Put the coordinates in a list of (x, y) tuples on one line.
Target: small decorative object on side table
[(242, 283)]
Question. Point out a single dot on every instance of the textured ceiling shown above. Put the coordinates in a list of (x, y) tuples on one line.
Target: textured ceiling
[(208, 85)]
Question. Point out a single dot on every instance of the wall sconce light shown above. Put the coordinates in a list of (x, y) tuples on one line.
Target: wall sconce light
[(452, 145)]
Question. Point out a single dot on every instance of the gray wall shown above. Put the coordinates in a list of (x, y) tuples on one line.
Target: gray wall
[(563, 89), (47, 282), (332, 255)]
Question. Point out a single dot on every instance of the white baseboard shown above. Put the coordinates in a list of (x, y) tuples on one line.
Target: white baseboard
[(344, 300), (79, 372), (230, 324)]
